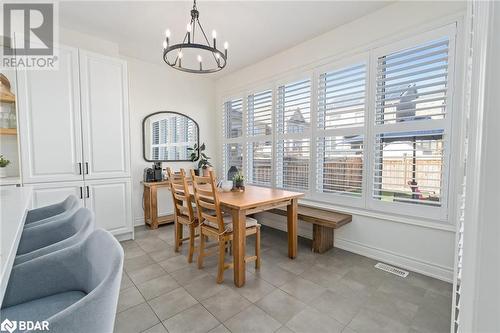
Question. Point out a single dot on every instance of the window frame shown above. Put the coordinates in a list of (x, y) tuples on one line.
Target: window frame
[(250, 139), (290, 79), (434, 213), (357, 202), (369, 54), (238, 140)]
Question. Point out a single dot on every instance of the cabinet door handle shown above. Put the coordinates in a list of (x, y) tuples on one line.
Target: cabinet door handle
[(88, 192), (80, 167), (86, 168), (81, 192)]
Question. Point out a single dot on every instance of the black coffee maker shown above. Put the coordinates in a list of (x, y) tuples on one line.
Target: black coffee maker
[(153, 174)]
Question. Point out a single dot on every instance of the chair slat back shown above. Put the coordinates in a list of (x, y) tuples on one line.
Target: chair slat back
[(180, 194), (206, 197)]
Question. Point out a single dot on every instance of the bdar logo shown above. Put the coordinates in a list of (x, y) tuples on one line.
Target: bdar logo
[(8, 325)]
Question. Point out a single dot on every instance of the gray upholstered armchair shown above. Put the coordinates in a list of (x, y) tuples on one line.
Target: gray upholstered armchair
[(50, 213), (52, 236), (75, 290)]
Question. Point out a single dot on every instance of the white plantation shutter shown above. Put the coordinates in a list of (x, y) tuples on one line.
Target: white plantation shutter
[(340, 134), (410, 136), (372, 131), (259, 113), (412, 84), (341, 97), (293, 144), (340, 165), (409, 166), (293, 163), (294, 107), (232, 156), (259, 159), (233, 118)]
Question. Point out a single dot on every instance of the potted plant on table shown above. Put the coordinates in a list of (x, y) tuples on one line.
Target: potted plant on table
[(239, 181), (3, 163), (197, 154)]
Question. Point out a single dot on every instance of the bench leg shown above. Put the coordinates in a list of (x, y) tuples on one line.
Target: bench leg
[(322, 238)]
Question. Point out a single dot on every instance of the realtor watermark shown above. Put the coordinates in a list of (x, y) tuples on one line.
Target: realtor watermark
[(30, 35), (23, 325)]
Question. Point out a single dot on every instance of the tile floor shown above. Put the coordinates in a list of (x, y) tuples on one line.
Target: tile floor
[(337, 291)]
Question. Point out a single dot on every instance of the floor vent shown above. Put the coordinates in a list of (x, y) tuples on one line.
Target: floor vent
[(392, 269)]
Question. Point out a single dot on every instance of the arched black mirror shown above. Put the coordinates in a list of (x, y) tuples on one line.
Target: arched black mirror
[(167, 135)]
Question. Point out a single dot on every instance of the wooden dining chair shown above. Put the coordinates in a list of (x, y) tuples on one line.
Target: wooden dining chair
[(183, 211), (215, 225)]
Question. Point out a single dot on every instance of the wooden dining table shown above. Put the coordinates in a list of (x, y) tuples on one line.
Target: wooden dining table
[(253, 200)]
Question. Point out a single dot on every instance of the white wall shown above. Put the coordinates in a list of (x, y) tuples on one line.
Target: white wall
[(423, 247), (158, 88), (155, 88)]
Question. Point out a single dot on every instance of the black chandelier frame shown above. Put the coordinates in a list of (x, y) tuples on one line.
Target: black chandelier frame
[(220, 57)]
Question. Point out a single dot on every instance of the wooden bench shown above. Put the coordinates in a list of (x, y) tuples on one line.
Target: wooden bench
[(323, 221)]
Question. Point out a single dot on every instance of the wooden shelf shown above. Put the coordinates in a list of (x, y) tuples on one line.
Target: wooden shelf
[(8, 131)]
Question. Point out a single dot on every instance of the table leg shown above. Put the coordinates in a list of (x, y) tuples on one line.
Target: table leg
[(291, 213), (147, 205), (154, 208), (239, 240)]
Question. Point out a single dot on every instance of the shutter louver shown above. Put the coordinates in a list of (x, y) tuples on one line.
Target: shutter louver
[(412, 84), (293, 146), (340, 165), (294, 107), (233, 119), (259, 113), (259, 159), (341, 108), (232, 156), (408, 167), (293, 163), (341, 98)]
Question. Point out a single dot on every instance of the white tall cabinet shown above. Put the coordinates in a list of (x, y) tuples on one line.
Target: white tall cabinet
[(74, 136)]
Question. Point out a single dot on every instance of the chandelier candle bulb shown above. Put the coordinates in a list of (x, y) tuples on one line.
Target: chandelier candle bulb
[(189, 33), (164, 45)]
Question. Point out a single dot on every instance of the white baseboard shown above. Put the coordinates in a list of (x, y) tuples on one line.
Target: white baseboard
[(412, 264), (125, 236), (138, 221), (389, 257)]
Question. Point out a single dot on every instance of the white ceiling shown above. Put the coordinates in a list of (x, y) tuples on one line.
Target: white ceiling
[(254, 29)]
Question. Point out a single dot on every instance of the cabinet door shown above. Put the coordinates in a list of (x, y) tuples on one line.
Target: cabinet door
[(110, 200), (49, 120), (105, 117), (48, 194)]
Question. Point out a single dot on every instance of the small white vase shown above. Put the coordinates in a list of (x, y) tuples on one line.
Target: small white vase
[(3, 172)]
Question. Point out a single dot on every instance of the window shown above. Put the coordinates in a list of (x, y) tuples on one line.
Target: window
[(233, 156), (259, 114), (259, 131), (370, 131), (408, 167), (232, 150), (293, 113), (340, 138), (411, 105), (233, 118), (259, 168)]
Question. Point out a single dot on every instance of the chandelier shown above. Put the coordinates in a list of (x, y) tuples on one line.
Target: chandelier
[(175, 54)]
